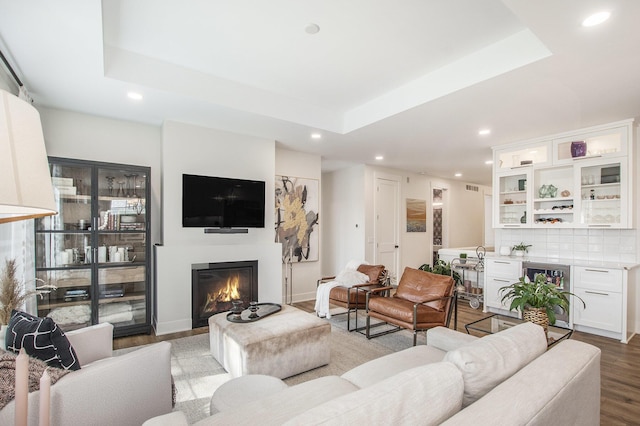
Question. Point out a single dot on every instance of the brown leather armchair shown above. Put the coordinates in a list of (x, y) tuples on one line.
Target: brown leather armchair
[(422, 300), (352, 299)]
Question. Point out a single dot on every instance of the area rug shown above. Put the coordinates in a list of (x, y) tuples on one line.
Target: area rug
[(197, 374)]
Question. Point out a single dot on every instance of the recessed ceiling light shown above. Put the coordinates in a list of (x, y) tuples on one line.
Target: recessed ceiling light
[(379, 157), (596, 19), (316, 136), (488, 162), (135, 96), (312, 29), (484, 132), (458, 174)]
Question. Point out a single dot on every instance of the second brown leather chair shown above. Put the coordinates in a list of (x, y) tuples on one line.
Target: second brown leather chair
[(422, 300)]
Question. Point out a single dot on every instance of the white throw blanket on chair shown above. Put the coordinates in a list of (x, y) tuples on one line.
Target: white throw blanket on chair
[(347, 278)]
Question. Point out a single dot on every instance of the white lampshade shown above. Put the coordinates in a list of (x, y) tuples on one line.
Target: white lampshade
[(25, 182)]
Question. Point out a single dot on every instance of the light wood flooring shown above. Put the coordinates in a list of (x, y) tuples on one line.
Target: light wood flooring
[(620, 366)]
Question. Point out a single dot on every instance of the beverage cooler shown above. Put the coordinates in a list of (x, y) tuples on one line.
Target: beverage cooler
[(559, 275)]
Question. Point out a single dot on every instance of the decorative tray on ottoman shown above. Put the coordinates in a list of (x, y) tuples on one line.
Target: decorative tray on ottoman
[(255, 312)]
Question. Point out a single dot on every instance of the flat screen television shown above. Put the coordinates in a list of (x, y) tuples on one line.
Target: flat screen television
[(219, 202)]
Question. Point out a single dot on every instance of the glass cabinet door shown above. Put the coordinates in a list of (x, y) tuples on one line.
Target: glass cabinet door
[(63, 248), (602, 143), (603, 199), (121, 246), (512, 198)]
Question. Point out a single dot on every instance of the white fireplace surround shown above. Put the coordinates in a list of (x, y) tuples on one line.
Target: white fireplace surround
[(173, 277)]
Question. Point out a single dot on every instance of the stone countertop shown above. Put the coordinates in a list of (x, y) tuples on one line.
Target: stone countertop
[(572, 262)]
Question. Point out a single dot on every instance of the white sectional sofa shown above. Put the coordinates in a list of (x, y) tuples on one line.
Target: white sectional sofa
[(508, 378), (107, 390)]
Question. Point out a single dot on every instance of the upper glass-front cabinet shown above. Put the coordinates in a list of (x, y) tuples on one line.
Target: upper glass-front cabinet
[(611, 142), (95, 250), (522, 156)]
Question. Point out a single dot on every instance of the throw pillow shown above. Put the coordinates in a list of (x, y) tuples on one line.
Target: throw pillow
[(348, 278), (487, 362), (41, 338)]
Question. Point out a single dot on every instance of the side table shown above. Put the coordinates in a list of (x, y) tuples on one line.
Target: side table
[(496, 322)]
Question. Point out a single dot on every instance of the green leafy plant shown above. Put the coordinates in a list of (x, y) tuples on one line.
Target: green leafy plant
[(539, 294), (521, 247), (442, 268), (13, 293)]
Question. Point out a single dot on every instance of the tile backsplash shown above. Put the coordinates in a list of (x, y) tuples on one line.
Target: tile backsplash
[(605, 245)]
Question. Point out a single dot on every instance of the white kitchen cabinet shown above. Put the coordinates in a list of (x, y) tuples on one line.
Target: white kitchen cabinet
[(512, 199), (499, 273), (590, 186), (609, 140), (604, 292), (553, 197), (515, 156), (603, 193)]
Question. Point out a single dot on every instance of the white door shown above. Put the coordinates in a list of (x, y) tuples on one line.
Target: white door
[(387, 223)]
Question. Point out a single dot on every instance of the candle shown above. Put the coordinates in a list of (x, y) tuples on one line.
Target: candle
[(22, 388), (45, 385)]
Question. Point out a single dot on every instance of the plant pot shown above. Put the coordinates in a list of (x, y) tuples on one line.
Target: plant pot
[(519, 253), (537, 316)]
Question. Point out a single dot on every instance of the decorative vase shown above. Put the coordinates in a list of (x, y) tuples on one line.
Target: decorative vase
[(578, 149), (537, 316)]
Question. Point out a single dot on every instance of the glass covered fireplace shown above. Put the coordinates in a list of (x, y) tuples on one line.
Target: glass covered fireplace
[(215, 285)]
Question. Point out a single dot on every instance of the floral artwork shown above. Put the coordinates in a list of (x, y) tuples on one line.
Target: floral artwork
[(416, 215), (297, 204)]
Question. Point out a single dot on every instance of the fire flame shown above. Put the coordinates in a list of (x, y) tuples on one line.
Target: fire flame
[(226, 293)]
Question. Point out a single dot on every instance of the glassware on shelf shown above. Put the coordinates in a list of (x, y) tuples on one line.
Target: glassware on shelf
[(135, 183), (129, 192), (121, 192), (110, 180)]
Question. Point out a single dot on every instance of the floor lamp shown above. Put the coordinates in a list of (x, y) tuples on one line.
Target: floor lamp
[(25, 183)]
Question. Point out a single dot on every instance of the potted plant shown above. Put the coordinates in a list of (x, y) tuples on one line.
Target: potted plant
[(520, 249), (537, 299), (463, 258), (442, 268)]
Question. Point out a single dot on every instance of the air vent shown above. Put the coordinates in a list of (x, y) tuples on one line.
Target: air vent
[(472, 188)]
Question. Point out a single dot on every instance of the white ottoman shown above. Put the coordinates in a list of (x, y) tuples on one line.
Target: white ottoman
[(283, 344)]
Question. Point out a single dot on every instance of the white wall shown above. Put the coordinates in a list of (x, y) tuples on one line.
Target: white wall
[(343, 218), (304, 274), (466, 215), (86, 137), (348, 200), (210, 152)]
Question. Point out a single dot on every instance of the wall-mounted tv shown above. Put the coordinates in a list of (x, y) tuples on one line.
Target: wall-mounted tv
[(219, 202)]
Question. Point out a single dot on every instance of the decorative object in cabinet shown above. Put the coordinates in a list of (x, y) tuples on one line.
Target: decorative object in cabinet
[(96, 250)]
